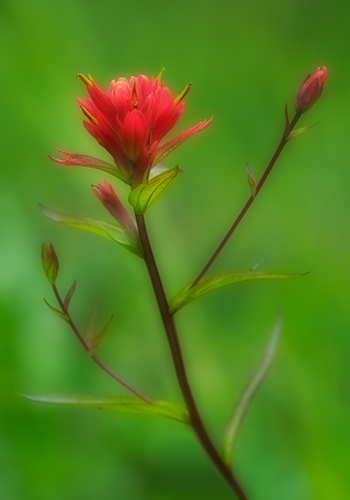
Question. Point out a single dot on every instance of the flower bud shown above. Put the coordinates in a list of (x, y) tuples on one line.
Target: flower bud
[(50, 262), (310, 90), (107, 195)]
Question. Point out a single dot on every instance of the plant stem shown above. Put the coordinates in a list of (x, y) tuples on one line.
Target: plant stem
[(283, 142), (173, 340), (94, 357)]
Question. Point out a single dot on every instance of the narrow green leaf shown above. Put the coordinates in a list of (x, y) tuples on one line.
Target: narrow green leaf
[(240, 409), (89, 333), (299, 131), (119, 405), (60, 314), (112, 232), (210, 283), (69, 295), (251, 180), (144, 195), (98, 338)]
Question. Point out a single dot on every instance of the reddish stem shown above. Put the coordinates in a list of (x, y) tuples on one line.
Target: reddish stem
[(94, 357), (283, 142), (174, 344)]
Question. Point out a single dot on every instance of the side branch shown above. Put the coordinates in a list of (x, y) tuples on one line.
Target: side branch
[(284, 140), (94, 357)]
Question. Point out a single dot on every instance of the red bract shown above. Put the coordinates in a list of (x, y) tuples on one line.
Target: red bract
[(311, 90), (130, 121), (107, 195)]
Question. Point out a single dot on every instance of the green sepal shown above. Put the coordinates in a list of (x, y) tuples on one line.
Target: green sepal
[(119, 405), (209, 283), (244, 401), (299, 131), (144, 194), (112, 232), (60, 314), (98, 338)]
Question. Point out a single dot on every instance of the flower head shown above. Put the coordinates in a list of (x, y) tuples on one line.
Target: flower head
[(311, 90), (130, 120)]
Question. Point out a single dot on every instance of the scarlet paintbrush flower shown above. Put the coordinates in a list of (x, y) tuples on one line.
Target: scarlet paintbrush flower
[(311, 90), (130, 121), (110, 200)]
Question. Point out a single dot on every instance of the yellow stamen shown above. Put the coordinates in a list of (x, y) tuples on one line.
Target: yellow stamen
[(134, 96), (159, 77), (183, 94), (87, 80), (89, 115)]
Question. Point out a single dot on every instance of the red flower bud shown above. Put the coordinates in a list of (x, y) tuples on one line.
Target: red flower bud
[(107, 195), (310, 90)]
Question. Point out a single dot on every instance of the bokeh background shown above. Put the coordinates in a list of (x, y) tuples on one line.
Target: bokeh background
[(246, 59)]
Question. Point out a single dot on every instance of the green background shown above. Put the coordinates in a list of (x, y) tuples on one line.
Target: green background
[(246, 59)]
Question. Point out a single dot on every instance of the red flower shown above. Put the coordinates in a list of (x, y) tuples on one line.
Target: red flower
[(130, 121), (311, 90)]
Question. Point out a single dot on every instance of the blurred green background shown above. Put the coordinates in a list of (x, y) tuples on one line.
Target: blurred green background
[(246, 59)]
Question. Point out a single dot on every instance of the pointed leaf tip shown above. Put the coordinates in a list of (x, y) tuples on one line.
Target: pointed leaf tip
[(69, 295), (112, 232), (118, 405), (299, 131), (251, 180), (244, 401), (98, 338), (60, 314), (89, 333), (209, 283)]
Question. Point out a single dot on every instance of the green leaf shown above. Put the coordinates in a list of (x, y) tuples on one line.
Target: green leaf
[(60, 314), (119, 405), (89, 333), (98, 338), (209, 283), (251, 180), (299, 131), (69, 295), (144, 195), (240, 409), (112, 232)]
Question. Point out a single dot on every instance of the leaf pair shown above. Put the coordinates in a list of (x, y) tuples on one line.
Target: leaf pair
[(244, 401)]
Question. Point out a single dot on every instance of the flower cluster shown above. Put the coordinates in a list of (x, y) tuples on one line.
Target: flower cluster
[(130, 121)]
